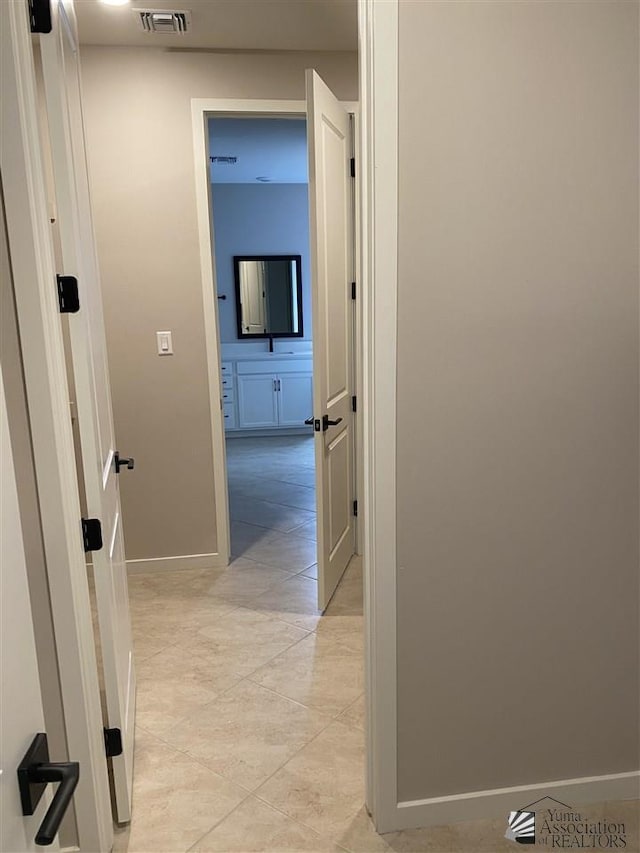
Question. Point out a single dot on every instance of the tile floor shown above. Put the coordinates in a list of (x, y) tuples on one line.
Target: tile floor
[(250, 705)]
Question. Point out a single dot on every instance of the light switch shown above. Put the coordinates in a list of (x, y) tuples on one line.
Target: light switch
[(165, 343)]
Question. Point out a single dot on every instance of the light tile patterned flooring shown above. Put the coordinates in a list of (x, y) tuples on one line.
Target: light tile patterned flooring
[(250, 705)]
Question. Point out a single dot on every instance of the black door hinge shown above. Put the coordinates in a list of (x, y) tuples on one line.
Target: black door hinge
[(353, 290), (40, 16), (355, 508), (91, 534), (68, 297), (352, 167), (354, 404), (112, 742)]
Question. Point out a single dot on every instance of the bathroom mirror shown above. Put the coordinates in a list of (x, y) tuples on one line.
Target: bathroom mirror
[(269, 295)]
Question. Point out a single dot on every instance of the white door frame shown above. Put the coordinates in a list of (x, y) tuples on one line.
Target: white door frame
[(203, 109), (34, 276), (378, 42)]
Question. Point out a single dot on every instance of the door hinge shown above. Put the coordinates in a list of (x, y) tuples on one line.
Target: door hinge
[(68, 297), (353, 290), (355, 508), (112, 742), (91, 534), (352, 167), (40, 16)]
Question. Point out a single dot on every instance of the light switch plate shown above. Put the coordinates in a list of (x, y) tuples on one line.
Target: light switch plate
[(165, 343)]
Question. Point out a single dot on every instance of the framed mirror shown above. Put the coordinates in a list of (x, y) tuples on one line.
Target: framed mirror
[(268, 295)]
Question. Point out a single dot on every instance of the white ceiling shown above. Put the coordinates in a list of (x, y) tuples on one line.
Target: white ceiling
[(228, 24), (268, 148)]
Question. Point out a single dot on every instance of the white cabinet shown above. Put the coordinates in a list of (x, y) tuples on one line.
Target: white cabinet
[(257, 401), (295, 398), (267, 393)]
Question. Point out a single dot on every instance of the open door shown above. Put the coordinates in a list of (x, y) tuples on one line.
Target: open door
[(21, 707), (20, 698), (59, 53), (331, 227)]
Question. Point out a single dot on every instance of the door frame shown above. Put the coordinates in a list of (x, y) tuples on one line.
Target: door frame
[(34, 275), (378, 210), (202, 109)]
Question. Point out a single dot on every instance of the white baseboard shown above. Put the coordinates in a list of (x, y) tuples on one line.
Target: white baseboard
[(499, 802), (173, 564)]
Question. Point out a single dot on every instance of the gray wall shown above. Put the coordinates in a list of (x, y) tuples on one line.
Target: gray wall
[(517, 394), (256, 219), (137, 107)]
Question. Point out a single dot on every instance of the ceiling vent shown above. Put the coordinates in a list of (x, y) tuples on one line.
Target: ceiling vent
[(163, 21)]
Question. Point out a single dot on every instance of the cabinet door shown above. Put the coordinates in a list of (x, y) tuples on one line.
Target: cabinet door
[(257, 400), (295, 398)]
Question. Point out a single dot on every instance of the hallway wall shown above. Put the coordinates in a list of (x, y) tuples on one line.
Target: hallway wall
[(137, 104), (517, 438)]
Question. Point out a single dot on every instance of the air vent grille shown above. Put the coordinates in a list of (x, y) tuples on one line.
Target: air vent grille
[(223, 158), (163, 21)]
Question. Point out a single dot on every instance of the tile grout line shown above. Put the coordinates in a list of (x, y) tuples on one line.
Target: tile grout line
[(247, 793), (262, 799)]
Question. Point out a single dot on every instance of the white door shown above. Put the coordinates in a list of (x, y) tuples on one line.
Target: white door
[(66, 135), (257, 401), (21, 716), (331, 227), (295, 398), (252, 298)]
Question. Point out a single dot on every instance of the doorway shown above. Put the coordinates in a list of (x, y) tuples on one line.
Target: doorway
[(268, 383), (260, 217)]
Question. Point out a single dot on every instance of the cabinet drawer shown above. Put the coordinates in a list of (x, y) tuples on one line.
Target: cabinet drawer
[(228, 394), (226, 368), (229, 411), (227, 383)]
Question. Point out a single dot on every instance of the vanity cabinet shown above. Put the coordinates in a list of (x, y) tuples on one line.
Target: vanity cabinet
[(257, 401), (295, 398), (267, 393)]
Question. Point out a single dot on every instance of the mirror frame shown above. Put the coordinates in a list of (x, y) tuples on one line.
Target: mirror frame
[(236, 273)]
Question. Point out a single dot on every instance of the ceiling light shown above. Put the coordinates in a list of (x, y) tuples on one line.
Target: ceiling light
[(115, 2)]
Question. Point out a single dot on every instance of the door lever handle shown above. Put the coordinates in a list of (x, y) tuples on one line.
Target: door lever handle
[(121, 462), (326, 423), (34, 774)]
